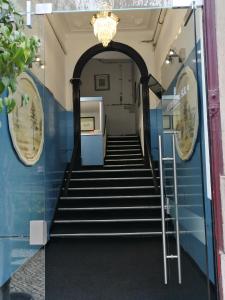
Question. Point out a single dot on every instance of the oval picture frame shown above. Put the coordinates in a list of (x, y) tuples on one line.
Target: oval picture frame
[(186, 114), (26, 122)]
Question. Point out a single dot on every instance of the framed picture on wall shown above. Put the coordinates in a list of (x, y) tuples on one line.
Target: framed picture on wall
[(87, 123), (102, 82)]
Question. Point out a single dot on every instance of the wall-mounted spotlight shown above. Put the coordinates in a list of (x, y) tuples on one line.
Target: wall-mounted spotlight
[(168, 60), (37, 58), (172, 52), (173, 55), (42, 65)]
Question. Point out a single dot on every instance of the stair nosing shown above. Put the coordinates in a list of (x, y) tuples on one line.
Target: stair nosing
[(110, 197), (125, 165), (117, 170), (111, 178), (106, 234), (124, 159), (125, 150), (108, 208), (58, 221), (110, 188)]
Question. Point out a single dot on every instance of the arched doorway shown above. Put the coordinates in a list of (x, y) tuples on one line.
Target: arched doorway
[(76, 82)]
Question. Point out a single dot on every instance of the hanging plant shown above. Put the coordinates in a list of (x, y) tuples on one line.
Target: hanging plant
[(17, 52)]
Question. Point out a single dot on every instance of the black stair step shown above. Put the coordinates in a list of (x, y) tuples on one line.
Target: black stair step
[(113, 182), (124, 156), (122, 142), (123, 137), (123, 151), (62, 208), (110, 191), (110, 201), (110, 173), (108, 228), (136, 147), (116, 162), (108, 215), (125, 166)]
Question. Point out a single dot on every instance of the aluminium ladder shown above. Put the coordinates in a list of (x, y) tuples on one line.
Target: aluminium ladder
[(164, 207)]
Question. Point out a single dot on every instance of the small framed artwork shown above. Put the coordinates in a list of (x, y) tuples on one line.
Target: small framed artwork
[(87, 123), (102, 82)]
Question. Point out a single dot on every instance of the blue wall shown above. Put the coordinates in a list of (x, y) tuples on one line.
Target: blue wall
[(70, 134), (156, 129), (92, 150), (29, 193)]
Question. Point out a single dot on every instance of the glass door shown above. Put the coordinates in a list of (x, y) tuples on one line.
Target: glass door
[(186, 167), (181, 113)]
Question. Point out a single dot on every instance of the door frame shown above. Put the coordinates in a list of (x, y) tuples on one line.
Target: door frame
[(76, 82), (215, 132)]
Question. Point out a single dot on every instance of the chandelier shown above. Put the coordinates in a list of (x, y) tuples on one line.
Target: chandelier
[(105, 25)]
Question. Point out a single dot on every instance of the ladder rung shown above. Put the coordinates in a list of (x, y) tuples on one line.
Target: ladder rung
[(168, 159), (172, 256)]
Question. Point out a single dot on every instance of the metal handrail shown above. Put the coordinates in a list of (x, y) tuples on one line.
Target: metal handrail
[(105, 136), (151, 167), (71, 168)]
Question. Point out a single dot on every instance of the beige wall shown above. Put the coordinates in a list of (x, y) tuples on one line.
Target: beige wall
[(60, 65), (55, 65), (78, 43), (169, 33), (53, 76)]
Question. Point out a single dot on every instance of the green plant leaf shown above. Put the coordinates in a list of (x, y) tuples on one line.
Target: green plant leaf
[(2, 87), (17, 51), (5, 80), (1, 105), (10, 104)]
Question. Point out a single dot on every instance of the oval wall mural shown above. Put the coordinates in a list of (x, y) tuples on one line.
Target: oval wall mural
[(26, 122), (186, 117)]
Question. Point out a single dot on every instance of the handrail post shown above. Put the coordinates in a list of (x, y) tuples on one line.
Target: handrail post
[(163, 211), (70, 171), (151, 164)]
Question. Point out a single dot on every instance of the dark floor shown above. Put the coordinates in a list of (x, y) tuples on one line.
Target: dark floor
[(117, 269)]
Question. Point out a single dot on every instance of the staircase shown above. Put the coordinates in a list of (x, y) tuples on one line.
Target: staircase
[(118, 199)]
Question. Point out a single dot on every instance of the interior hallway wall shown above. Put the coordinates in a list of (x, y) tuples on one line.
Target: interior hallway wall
[(87, 40), (119, 99)]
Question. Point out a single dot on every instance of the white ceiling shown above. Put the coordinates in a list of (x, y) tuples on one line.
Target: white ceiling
[(129, 20)]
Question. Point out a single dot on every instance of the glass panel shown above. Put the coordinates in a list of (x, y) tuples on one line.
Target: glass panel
[(87, 5), (184, 112), (23, 187)]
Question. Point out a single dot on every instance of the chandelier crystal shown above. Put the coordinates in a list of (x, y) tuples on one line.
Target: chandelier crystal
[(105, 25)]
